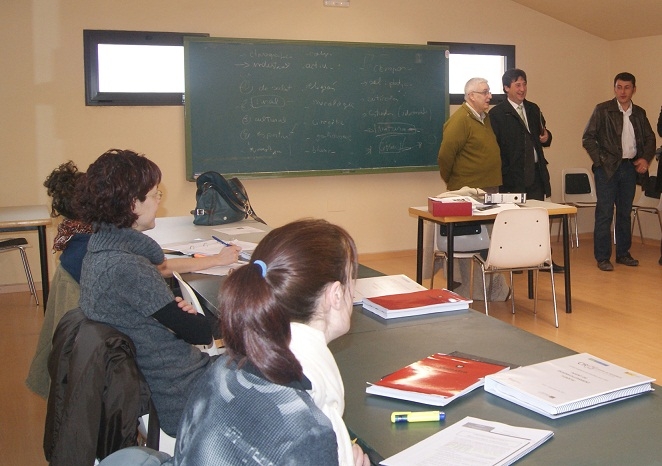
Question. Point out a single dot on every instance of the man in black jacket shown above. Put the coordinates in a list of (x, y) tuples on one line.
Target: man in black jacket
[(621, 143), (520, 131)]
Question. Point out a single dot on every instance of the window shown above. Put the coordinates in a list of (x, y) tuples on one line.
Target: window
[(134, 68), (468, 61)]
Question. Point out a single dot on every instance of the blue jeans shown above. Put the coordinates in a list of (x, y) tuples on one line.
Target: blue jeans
[(617, 191)]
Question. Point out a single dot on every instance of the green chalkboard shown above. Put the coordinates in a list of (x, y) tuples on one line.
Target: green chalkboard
[(289, 108)]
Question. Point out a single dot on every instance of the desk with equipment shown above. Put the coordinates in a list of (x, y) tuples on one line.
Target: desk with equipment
[(626, 432), (554, 210)]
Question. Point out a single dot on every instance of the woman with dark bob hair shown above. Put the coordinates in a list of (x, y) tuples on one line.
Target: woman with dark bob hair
[(276, 394), (121, 284)]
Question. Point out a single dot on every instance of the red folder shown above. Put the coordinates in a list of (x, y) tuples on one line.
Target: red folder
[(435, 380)]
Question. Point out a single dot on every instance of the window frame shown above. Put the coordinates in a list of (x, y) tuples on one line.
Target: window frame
[(93, 37), (504, 50)]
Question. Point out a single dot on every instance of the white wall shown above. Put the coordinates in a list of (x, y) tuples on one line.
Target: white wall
[(45, 121)]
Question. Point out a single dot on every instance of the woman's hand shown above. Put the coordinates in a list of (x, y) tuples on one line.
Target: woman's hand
[(228, 255), (185, 305), (360, 458)]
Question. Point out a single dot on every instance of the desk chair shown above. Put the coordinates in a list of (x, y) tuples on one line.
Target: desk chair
[(189, 295), (97, 393), (650, 202), (466, 244), (578, 188), (520, 241), (10, 244)]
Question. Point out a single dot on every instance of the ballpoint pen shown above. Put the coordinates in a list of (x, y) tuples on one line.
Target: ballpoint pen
[(244, 256)]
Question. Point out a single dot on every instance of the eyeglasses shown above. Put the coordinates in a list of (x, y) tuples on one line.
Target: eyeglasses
[(485, 92), (158, 194)]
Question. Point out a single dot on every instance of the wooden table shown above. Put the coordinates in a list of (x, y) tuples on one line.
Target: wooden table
[(554, 210), (29, 218)]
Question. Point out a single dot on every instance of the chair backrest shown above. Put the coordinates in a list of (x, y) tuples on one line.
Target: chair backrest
[(578, 185), (520, 238), (463, 243), (647, 202), (187, 293)]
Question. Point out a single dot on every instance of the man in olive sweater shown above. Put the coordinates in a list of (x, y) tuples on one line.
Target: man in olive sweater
[(469, 154)]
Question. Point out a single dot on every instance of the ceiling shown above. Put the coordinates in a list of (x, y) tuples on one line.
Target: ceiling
[(608, 19)]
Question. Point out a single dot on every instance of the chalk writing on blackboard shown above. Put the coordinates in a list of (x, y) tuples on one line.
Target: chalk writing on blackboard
[(275, 108)]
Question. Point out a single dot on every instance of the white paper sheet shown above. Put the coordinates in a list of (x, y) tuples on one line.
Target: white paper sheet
[(472, 442)]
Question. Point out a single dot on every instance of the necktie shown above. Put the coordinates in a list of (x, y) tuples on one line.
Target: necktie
[(520, 111)]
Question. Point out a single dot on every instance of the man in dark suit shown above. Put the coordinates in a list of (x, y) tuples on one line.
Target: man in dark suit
[(521, 134), (520, 131)]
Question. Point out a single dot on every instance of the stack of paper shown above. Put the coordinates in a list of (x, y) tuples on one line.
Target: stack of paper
[(416, 303), (568, 385), (472, 441), (436, 380), (384, 285)]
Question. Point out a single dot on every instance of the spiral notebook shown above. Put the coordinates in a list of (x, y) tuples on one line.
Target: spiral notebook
[(568, 385)]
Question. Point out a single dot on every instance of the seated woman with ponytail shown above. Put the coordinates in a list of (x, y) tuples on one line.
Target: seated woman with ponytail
[(276, 394)]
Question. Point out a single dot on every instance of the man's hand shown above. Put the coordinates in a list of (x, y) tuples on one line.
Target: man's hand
[(641, 165)]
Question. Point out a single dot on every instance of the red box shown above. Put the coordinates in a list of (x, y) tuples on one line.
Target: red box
[(449, 207)]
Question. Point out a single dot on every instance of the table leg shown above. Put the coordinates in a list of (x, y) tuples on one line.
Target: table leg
[(566, 264), (419, 252), (43, 259), (450, 246)]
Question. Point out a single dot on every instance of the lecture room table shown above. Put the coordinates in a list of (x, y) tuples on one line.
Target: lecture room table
[(626, 432), (554, 210), (30, 218)]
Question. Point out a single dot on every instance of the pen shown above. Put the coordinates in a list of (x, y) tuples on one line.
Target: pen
[(224, 243), (244, 256), (417, 416)]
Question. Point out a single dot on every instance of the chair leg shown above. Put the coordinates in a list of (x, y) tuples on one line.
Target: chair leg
[(28, 274), (471, 282), (485, 297), (535, 292), (512, 293), (636, 218), (556, 315)]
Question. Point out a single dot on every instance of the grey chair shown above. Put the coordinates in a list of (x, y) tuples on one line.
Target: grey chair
[(465, 246), (10, 244)]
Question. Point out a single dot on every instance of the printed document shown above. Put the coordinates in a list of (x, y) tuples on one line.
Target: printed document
[(472, 442)]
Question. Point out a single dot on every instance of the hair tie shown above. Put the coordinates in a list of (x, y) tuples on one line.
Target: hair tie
[(263, 266)]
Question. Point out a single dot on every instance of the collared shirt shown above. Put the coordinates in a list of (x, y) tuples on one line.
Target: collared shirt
[(480, 116), (628, 141), (526, 122)]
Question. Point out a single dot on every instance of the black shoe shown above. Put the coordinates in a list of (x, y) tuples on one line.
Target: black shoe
[(556, 268), (605, 265), (627, 260)]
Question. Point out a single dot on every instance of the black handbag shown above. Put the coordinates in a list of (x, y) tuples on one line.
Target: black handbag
[(220, 200)]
